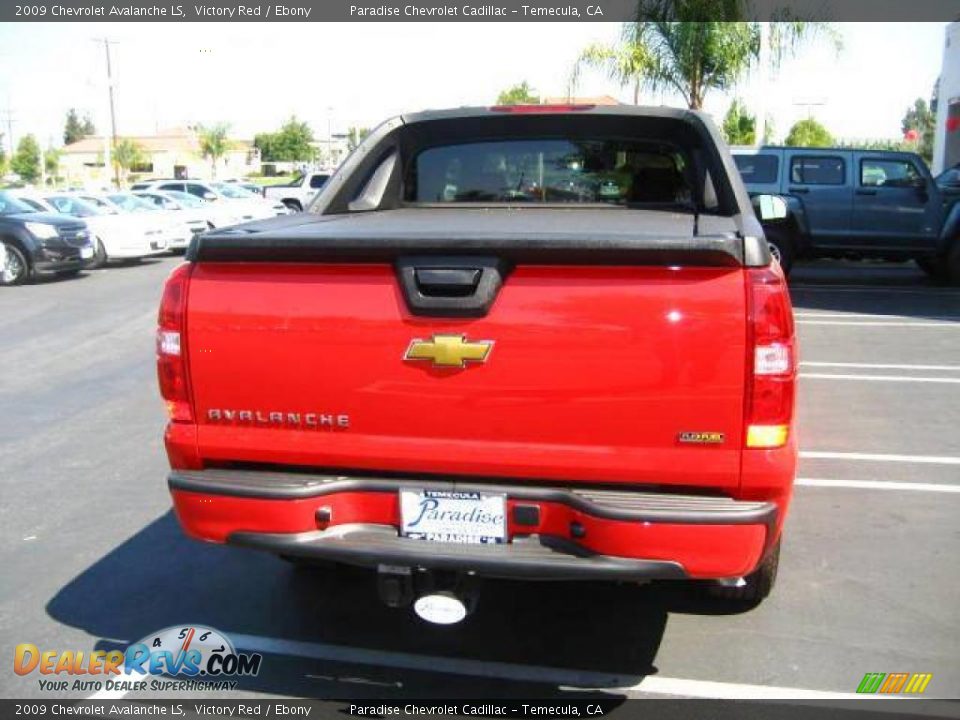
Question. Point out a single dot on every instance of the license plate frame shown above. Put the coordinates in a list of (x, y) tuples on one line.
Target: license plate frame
[(445, 516)]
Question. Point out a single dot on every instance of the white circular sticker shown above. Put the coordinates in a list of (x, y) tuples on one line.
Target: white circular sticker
[(441, 608)]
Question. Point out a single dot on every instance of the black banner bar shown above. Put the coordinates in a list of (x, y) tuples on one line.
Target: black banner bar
[(459, 10), (872, 708)]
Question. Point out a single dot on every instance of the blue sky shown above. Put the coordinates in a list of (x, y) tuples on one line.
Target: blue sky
[(340, 74)]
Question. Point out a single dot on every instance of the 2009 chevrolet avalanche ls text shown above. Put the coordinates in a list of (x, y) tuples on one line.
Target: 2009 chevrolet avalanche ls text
[(537, 342)]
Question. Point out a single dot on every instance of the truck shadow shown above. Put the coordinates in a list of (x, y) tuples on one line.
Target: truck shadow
[(310, 628), (872, 288)]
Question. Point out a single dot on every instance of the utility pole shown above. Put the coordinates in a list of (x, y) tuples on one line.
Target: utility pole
[(112, 143), (10, 113)]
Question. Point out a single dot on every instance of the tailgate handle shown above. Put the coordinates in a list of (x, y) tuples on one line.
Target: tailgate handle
[(450, 286), (447, 282)]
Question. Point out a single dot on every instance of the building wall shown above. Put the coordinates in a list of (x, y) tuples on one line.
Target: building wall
[(87, 168), (946, 145)]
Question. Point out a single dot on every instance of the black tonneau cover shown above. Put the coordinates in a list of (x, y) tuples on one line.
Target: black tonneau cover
[(521, 234)]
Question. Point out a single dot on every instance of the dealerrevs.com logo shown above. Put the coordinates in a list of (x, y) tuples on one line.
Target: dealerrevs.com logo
[(198, 657)]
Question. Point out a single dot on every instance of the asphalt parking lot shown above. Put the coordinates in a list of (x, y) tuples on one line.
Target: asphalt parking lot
[(869, 579)]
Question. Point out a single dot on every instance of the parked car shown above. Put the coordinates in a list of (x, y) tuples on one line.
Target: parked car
[(177, 231), (246, 205), (235, 191), (600, 388), (200, 215), (248, 186), (855, 203), (298, 193), (39, 242), (949, 180), (117, 235)]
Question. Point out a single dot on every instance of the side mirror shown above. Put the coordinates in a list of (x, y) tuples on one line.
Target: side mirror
[(209, 196), (770, 207)]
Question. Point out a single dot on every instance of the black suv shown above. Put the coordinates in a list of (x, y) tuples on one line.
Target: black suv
[(39, 242)]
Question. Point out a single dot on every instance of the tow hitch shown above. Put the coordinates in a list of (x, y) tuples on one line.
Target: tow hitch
[(442, 598)]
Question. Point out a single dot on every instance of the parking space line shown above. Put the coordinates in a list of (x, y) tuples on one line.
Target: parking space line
[(874, 316), (879, 378), (880, 366), (878, 485), (879, 457), (870, 323), (683, 687)]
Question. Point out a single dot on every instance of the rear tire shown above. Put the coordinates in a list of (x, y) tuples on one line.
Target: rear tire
[(16, 270), (758, 585), (782, 247)]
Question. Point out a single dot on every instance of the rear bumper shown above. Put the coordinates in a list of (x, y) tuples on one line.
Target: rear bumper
[(554, 533)]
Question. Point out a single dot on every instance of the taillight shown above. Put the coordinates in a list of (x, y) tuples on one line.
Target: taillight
[(171, 346), (772, 362)]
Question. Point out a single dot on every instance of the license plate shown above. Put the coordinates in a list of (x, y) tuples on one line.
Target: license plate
[(86, 253), (453, 517)]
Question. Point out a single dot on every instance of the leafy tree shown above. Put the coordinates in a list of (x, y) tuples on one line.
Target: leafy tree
[(127, 154), (73, 128), (679, 46), (292, 143), (808, 133), (921, 120), (76, 129), (520, 94), (739, 126), (214, 144), (26, 161), (3, 157), (51, 162), (355, 136)]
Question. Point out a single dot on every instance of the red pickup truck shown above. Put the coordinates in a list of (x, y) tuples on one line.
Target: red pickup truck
[(538, 342)]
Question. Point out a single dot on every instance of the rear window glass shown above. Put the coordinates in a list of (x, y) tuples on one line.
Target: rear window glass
[(611, 171), (758, 168), (817, 170)]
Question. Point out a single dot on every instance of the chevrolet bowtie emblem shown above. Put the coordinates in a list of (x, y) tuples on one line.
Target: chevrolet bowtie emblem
[(449, 350)]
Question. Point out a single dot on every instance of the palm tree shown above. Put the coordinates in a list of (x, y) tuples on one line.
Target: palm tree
[(127, 154), (627, 63), (677, 46), (214, 144)]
